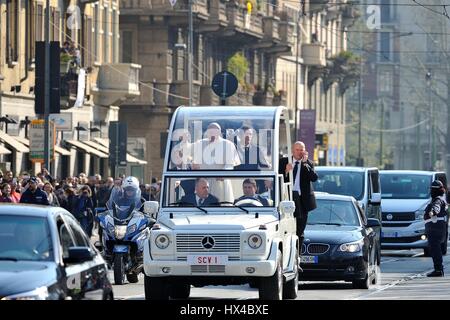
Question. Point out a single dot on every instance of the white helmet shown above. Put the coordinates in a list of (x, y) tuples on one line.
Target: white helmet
[(130, 183)]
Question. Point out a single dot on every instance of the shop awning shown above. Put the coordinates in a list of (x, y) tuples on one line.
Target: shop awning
[(80, 145), (9, 140), (3, 150), (61, 151), (102, 144)]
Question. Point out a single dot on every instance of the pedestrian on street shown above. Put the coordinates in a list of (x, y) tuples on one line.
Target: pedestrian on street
[(6, 194), (33, 194), (15, 190), (435, 226), (83, 210), (52, 198), (69, 199), (303, 192)]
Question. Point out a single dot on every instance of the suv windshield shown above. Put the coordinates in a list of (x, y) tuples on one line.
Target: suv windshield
[(218, 191), (25, 238), (405, 186), (334, 212), (217, 139), (340, 182)]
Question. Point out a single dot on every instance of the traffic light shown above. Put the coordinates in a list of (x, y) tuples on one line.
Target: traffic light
[(39, 86)]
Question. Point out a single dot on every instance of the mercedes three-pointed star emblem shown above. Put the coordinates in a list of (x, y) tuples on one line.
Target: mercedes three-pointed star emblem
[(208, 242)]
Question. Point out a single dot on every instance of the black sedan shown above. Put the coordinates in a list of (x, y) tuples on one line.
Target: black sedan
[(45, 255), (340, 244)]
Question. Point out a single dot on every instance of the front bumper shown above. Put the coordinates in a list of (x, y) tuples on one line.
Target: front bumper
[(410, 237), (335, 266)]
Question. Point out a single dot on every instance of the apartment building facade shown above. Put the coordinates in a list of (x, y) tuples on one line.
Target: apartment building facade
[(93, 28)]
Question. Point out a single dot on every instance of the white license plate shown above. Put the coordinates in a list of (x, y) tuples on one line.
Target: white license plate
[(309, 259), (207, 260), (389, 234)]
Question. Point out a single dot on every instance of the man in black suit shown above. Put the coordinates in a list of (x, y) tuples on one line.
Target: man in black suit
[(201, 197), (249, 190), (251, 155), (304, 175)]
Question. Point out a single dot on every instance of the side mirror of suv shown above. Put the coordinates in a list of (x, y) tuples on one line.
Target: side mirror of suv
[(151, 208), (373, 223), (375, 199)]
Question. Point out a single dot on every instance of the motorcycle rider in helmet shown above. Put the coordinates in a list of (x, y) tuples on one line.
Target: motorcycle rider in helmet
[(435, 226), (128, 195)]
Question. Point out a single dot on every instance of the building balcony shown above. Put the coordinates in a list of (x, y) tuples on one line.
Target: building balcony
[(253, 24), (163, 8), (317, 5), (116, 82), (313, 54), (349, 15), (179, 91), (217, 17), (235, 16), (286, 31), (271, 28)]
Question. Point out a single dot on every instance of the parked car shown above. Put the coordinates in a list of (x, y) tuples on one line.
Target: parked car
[(405, 195), (45, 255), (340, 243)]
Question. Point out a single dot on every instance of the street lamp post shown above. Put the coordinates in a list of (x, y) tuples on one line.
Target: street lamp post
[(190, 50), (431, 121)]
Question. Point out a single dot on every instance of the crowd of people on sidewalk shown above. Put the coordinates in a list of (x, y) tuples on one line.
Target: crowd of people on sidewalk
[(80, 195)]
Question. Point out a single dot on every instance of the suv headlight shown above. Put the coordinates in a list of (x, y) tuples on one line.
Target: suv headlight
[(162, 241), (119, 232), (419, 214), (36, 294), (351, 247), (255, 241)]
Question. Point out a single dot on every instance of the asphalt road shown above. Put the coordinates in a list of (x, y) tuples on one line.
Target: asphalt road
[(402, 277)]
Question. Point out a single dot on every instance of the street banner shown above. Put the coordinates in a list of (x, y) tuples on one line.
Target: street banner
[(307, 130), (37, 140), (80, 90)]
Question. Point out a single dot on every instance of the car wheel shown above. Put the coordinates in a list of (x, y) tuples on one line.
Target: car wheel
[(271, 288), (155, 288), (132, 278), (290, 289), (364, 283), (180, 291), (119, 269)]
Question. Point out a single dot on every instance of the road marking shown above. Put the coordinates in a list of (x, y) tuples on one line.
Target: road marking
[(394, 283)]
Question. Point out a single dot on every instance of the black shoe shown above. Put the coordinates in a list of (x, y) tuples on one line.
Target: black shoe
[(436, 273)]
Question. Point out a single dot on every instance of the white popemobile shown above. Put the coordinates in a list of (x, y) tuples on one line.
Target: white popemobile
[(226, 215)]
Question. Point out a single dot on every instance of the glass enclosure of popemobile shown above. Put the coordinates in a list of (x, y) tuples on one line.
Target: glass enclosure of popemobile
[(230, 153)]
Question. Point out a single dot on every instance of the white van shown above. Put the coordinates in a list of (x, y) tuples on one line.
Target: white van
[(226, 215), (405, 195)]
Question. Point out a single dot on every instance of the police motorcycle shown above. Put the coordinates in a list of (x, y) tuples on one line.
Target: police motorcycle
[(125, 230)]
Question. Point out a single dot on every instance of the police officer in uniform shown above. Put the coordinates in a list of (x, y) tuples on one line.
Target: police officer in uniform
[(435, 223)]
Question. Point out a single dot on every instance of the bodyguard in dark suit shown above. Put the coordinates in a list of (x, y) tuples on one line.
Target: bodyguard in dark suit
[(304, 175), (251, 155), (201, 197)]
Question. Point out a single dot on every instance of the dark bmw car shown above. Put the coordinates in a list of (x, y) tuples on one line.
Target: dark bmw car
[(45, 255), (340, 244)]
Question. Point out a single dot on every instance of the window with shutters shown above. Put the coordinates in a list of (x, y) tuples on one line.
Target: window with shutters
[(87, 48), (105, 48), (39, 23), (56, 24), (31, 31), (12, 30)]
